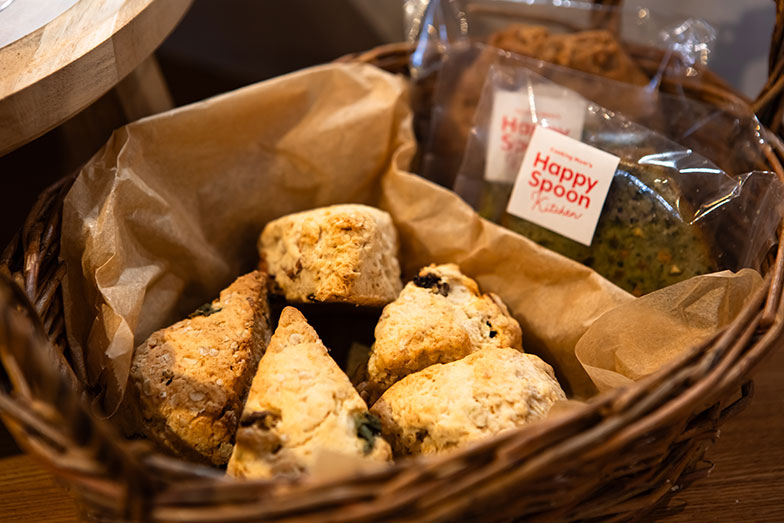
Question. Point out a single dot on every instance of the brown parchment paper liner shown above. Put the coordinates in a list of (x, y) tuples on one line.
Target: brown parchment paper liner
[(554, 298), (168, 213), (639, 337)]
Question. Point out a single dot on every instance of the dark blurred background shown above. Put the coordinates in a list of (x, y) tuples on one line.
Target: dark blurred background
[(222, 45)]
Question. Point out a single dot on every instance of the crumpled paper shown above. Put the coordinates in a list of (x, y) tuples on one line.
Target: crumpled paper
[(638, 338), (168, 213)]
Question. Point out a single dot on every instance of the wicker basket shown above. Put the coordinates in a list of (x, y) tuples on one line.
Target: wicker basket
[(613, 459)]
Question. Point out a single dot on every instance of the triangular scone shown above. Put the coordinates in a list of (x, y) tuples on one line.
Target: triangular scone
[(301, 403), (440, 316), (188, 381)]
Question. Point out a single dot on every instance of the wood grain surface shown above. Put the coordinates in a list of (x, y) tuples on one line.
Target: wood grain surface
[(746, 485), (58, 70)]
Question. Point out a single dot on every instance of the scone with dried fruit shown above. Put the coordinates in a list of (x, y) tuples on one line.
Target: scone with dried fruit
[(446, 406), (188, 381), (301, 403), (440, 316), (342, 253)]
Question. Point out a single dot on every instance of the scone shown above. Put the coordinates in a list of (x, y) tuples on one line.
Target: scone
[(188, 381), (341, 253), (439, 317), (446, 406), (301, 403)]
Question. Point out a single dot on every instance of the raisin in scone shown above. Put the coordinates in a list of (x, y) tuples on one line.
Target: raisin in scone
[(342, 253), (440, 316), (188, 381), (301, 403), (446, 406)]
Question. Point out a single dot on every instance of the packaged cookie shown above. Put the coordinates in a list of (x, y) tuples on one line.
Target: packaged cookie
[(595, 51), (606, 40)]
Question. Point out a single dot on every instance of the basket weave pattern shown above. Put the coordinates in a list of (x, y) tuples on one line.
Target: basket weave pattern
[(613, 459)]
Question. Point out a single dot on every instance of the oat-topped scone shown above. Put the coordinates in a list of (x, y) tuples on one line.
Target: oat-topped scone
[(446, 406), (341, 253), (301, 403), (188, 381), (440, 316)]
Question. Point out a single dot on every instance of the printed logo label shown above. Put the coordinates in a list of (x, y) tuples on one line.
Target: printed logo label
[(514, 116), (562, 184)]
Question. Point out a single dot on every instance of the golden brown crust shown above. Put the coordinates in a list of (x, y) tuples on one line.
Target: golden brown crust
[(341, 253), (447, 406), (292, 329), (188, 381), (596, 52), (439, 317), (301, 403)]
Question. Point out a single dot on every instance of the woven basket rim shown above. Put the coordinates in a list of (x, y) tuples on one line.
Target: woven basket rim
[(682, 403)]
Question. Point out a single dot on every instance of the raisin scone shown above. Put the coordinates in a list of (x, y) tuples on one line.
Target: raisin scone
[(301, 403), (342, 253), (188, 381), (446, 406), (440, 316)]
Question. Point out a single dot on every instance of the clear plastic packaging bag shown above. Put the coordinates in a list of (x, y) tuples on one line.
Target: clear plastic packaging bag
[(729, 135), (670, 213), (558, 32), (645, 49)]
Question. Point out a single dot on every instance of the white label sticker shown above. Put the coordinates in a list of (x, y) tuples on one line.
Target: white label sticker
[(514, 116), (562, 184)]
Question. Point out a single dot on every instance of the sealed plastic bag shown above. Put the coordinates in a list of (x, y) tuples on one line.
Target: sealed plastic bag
[(652, 51), (667, 213), (595, 38), (726, 132)]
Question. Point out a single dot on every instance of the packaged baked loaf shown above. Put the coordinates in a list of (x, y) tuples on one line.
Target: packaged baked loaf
[(592, 185)]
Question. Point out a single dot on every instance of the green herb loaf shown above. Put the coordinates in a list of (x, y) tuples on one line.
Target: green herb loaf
[(641, 242)]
